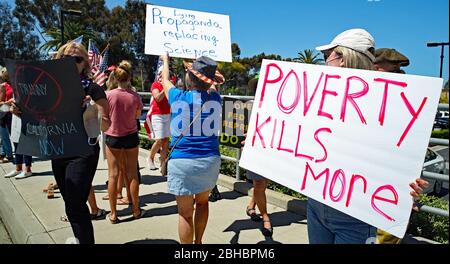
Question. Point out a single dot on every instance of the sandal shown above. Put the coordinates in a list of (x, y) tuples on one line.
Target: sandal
[(64, 218), (121, 201), (141, 214), (101, 213), (50, 186), (106, 197), (268, 232), (113, 221), (252, 213)]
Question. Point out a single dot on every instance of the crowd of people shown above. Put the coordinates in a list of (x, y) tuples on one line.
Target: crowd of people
[(193, 160)]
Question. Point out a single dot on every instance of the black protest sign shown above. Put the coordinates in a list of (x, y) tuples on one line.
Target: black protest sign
[(50, 96), (235, 117)]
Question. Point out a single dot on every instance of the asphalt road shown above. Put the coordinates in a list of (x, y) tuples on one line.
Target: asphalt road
[(4, 236)]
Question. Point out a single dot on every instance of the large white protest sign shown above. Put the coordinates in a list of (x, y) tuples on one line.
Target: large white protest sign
[(351, 139), (187, 34)]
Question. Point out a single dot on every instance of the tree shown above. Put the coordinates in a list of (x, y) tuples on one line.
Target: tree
[(308, 56), (233, 72), (235, 51), (17, 42), (253, 64), (72, 30)]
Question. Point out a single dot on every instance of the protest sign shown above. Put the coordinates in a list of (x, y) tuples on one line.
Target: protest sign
[(187, 34), (235, 115), (50, 96), (351, 139)]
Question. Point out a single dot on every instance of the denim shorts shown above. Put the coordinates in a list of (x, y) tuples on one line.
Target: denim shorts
[(192, 176)]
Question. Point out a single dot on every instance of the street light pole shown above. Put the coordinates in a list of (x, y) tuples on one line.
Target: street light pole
[(63, 12), (437, 44), (61, 15)]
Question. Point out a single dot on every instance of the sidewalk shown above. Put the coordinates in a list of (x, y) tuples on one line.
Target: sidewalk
[(32, 218)]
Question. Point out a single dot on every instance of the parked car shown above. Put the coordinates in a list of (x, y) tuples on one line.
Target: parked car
[(433, 163), (441, 122)]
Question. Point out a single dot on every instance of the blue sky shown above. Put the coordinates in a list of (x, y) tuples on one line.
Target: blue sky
[(286, 27)]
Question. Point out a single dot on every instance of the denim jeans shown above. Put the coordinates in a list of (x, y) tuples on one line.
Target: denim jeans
[(330, 226), (6, 142), (20, 159)]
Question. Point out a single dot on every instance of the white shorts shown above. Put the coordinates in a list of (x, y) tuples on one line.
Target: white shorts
[(160, 126)]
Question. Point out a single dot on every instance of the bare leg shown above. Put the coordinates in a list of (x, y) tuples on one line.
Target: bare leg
[(113, 157), (120, 182), (185, 219), (131, 156), (201, 215), (155, 148), (92, 201), (164, 148), (259, 194)]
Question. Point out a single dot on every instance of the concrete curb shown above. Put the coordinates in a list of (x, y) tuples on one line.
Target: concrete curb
[(284, 201), (20, 221)]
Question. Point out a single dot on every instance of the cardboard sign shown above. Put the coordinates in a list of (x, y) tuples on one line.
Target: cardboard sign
[(50, 96), (351, 139), (235, 115), (187, 34)]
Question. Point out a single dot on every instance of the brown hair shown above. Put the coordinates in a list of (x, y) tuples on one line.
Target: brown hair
[(123, 72), (72, 47), (111, 83), (192, 82)]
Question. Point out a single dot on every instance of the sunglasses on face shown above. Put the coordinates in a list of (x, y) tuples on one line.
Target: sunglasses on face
[(78, 59)]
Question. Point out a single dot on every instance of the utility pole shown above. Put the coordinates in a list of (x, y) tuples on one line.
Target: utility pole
[(437, 44)]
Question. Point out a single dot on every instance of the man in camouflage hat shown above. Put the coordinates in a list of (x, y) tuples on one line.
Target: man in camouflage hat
[(390, 60)]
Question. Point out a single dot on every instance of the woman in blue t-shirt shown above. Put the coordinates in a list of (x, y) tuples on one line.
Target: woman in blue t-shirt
[(194, 161)]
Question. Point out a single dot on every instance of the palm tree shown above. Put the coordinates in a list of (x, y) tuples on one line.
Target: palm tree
[(72, 30), (308, 56)]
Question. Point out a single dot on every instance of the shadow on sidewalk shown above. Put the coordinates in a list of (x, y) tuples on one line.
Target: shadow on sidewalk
[(230, 195), (42, 173), (159, 198), (126, 213), (153, 241), (277, 219), (149, 179)]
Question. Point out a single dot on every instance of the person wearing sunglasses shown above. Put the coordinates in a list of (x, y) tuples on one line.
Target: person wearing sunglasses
[(74, 175)]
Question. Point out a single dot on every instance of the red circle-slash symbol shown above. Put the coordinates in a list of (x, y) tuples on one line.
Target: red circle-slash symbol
[(42, 76)]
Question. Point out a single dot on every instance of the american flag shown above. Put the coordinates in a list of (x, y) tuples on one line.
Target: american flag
[(99, 76), (78, 40), (104, 60), (99, 63), (94, 54)]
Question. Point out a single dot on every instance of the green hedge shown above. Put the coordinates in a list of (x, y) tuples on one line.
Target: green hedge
[(440, 133), (428, 225)]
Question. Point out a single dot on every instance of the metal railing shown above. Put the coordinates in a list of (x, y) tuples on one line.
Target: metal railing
[(430, 175)]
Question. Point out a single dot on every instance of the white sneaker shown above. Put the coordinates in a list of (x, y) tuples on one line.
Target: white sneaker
[(23, 175), (151, 164), (12, 174)]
